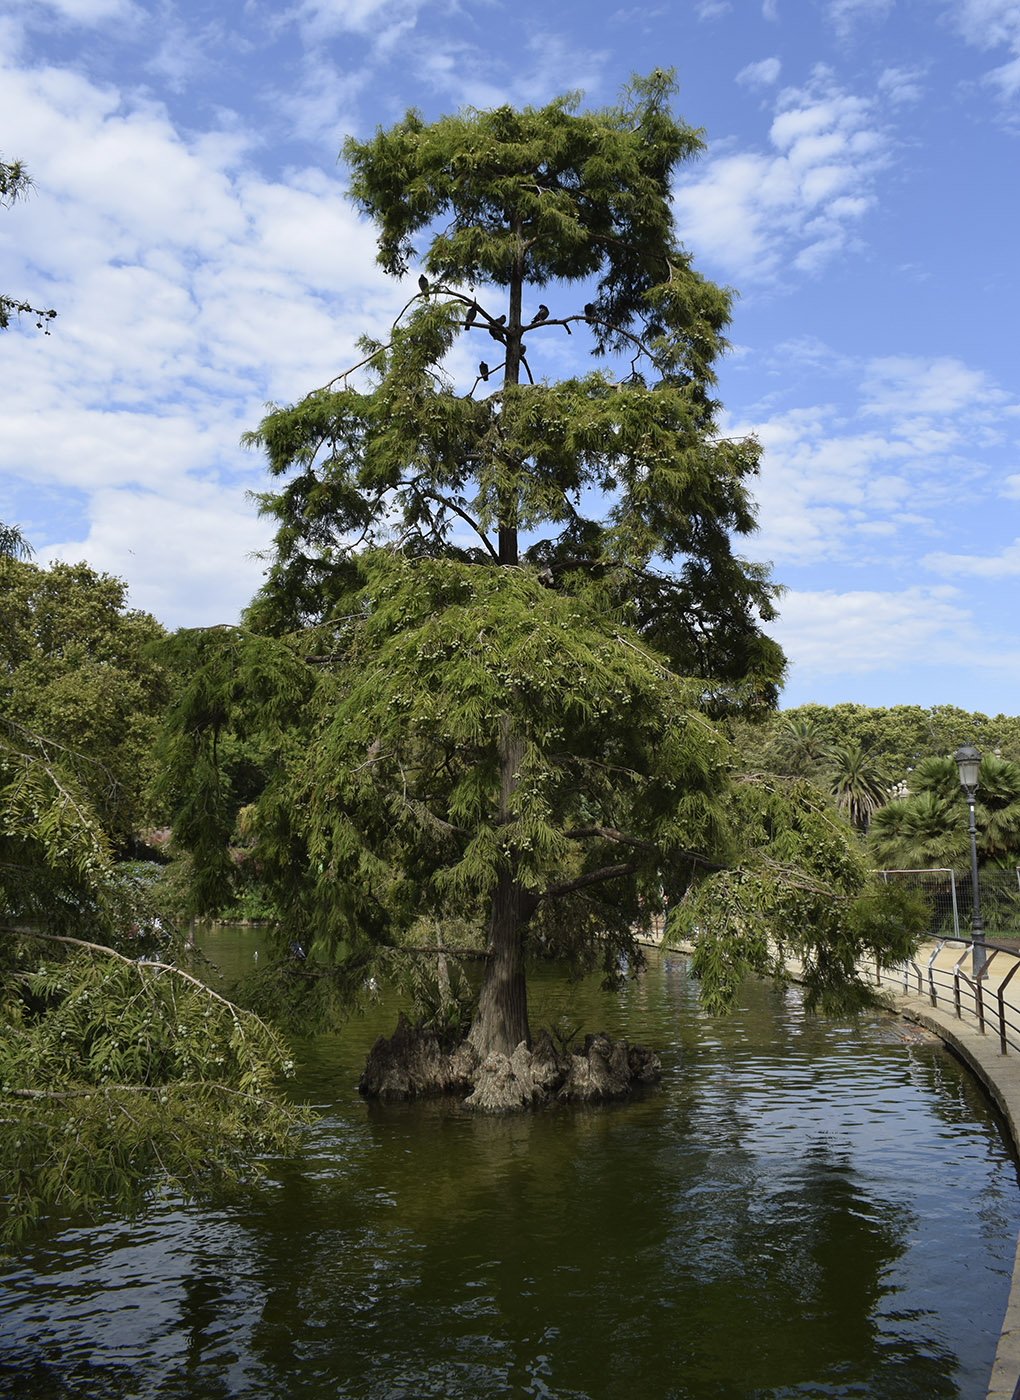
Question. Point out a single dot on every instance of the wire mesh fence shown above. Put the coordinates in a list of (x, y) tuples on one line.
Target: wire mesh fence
[(948, 894)]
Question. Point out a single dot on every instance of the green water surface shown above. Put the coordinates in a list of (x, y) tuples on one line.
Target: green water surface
[(804, 1208)]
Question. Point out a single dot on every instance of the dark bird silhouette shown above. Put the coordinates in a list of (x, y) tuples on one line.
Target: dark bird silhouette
[(483, 370), (297, 950), (472, 312), (496, 327), (542, 314), (589, 311), (423, 283)]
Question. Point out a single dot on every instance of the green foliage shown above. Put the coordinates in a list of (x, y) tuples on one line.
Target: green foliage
[(625, 483), (899, 737), (929, 827), (13, 545), (55, 863), (391, 805), (798, 748), (802, 891), (502, 620), (119, 1076), (74, 668), (857, 783)]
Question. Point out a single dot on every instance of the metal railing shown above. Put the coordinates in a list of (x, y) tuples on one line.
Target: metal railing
[(990, 1000)]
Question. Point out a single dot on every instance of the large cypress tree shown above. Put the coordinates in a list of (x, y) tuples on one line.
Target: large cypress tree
[(503, 611)]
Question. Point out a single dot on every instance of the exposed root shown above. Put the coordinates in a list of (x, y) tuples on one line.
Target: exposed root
[(413, 1064)]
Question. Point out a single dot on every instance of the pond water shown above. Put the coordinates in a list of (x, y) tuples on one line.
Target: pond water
[(805, 1207)]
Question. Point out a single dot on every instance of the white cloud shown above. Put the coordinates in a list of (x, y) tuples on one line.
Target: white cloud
[(800, 204), (862, 630), (860, 482), (84, 12), (190, 290), (1005, 564), (992, 24), (761, 74), (942, 387), (323, 19), (901, 85), (180, 551), (844, 14)]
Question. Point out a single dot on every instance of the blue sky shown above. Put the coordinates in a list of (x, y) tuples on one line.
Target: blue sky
[(858, 191)]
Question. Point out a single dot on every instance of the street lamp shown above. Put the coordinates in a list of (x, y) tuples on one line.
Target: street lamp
[(968, 761)]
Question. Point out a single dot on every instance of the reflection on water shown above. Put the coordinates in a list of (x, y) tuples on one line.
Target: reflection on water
[(804, 1208)]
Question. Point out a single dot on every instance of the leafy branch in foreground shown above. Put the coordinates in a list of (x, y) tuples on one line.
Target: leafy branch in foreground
[(121, 1077)]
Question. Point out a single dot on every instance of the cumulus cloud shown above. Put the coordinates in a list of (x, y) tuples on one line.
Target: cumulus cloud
[(797, 206), (191, 289)]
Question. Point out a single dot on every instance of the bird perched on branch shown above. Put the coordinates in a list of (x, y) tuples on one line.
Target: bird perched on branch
[(542, 314), (423, 283), (496, 327), (472, 312), (483, 370), (589, 311)]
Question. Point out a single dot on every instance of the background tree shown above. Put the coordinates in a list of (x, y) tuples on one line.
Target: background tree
[(898, 737), (118, 1068), (496, 622), (857, 783), (75, 668), (799, 747), (928, 827)]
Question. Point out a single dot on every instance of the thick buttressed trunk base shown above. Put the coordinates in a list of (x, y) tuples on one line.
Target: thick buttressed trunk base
[(412, 1064)]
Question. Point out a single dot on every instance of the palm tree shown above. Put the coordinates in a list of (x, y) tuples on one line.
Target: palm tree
[(857, 783), (928, 828), (799, 748), (920, 832)]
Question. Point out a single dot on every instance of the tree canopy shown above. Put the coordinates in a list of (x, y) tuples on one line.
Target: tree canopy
[(502, 612), (75, 668)]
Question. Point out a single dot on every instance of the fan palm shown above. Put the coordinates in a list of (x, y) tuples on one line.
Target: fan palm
[(920, 832)]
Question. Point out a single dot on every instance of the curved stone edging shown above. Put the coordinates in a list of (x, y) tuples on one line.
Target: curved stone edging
[(1000, 1077)]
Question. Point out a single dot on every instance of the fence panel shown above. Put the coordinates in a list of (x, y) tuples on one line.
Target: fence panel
[(950, 901)]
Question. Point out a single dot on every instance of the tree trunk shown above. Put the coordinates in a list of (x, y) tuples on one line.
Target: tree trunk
[(501, 1021)]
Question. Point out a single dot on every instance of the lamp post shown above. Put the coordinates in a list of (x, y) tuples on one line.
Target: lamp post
[(968, 761)]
